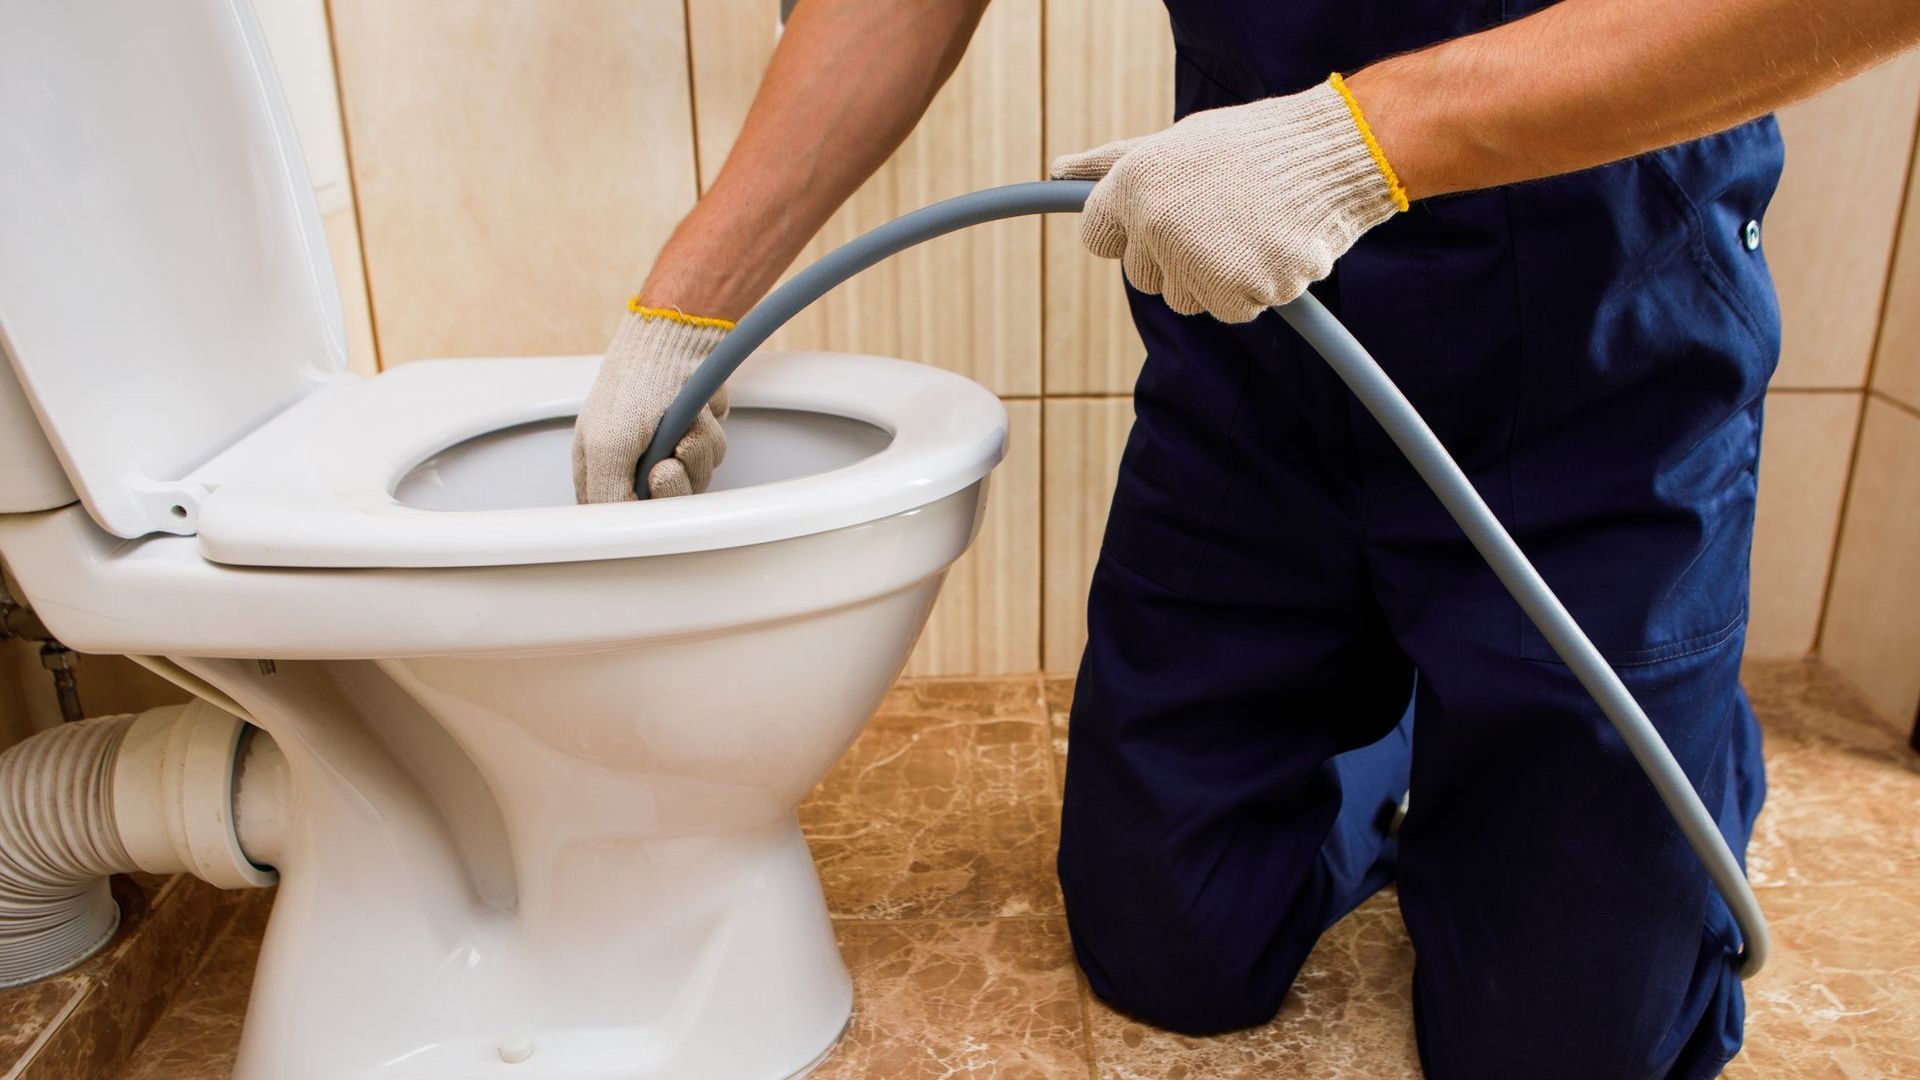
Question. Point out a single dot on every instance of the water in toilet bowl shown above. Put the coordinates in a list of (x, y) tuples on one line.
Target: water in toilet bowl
[(529, 466)]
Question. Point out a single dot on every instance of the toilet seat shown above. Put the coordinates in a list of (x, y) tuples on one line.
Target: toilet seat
[(314, 486)]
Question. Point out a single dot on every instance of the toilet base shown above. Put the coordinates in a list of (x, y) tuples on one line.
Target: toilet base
[(733, 973), (821, 1059), (583, 865)]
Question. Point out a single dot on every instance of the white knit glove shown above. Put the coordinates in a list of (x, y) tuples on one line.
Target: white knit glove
[(652, 355), (1232, 211)]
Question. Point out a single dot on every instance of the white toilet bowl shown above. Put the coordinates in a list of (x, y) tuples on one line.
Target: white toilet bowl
[(552, 804), (544, 759)]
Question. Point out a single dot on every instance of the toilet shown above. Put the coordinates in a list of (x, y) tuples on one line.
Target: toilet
[(544, 759)]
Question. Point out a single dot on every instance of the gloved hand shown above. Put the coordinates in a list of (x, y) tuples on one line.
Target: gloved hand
[(652, 355), (1232, 211)]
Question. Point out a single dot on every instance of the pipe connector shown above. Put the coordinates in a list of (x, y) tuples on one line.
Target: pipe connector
[(174, 781)]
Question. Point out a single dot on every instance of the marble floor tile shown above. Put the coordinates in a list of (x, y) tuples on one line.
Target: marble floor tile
[(85, 1022), (196, 1038), (1809, 698), (128, 996), (26, 1012), (941, 999), (987, 998), (944, 816), (29, 1013), (1348, 1016), (1843, 798), (944, 807), (1840, 996)]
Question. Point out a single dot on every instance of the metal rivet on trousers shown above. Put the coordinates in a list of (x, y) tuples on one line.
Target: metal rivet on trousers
[(1751, 234)]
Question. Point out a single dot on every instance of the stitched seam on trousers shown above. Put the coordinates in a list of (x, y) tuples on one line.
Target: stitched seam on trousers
[(1657, 654)]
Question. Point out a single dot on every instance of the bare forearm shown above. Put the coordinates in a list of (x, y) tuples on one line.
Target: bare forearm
[(1586, 82), (847, 84)]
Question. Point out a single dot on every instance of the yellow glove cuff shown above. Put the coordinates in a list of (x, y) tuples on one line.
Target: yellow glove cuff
[(675, 315), (1394, 186)]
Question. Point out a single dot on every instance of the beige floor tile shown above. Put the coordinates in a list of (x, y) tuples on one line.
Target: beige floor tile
[(932, 999), (1349, 1015), (165, 925), (993, 998), (1808, 697), (944, 807), (1843, 798), (28, 1014), (1841, 996)]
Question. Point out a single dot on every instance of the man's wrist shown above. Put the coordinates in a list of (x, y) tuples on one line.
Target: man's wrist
[(1415, 119)]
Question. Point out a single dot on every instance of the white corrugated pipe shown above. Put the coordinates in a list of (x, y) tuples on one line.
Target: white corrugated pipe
[(182, 788)]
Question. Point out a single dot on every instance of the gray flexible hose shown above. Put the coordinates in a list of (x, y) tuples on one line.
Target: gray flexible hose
[(1382, 398), (1430, 459), (790, 299)]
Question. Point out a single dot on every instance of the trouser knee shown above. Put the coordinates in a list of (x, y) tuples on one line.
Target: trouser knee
[(1177, 970), (1516, 1034)]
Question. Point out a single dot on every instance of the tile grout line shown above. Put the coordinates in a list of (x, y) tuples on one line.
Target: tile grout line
[(91, 979), (948, 680), (693, 100), (1085, 994), (1040, 601), (947, 920), (53, 1026), (353, 185), (1894, 403)]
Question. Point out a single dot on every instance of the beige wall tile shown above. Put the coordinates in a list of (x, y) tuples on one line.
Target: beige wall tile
[(732, 42), (968, 302), (1896, 366), (297, 39), (987, 621), (1083, 440), (1803, 480), (1829, 232), (1871, 631), (343, 243), (107, 685), (19, 670), (1109, 75), (1809, 439), (517, 165)]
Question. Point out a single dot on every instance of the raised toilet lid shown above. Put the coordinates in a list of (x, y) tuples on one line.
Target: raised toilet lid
[(164, 282)]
